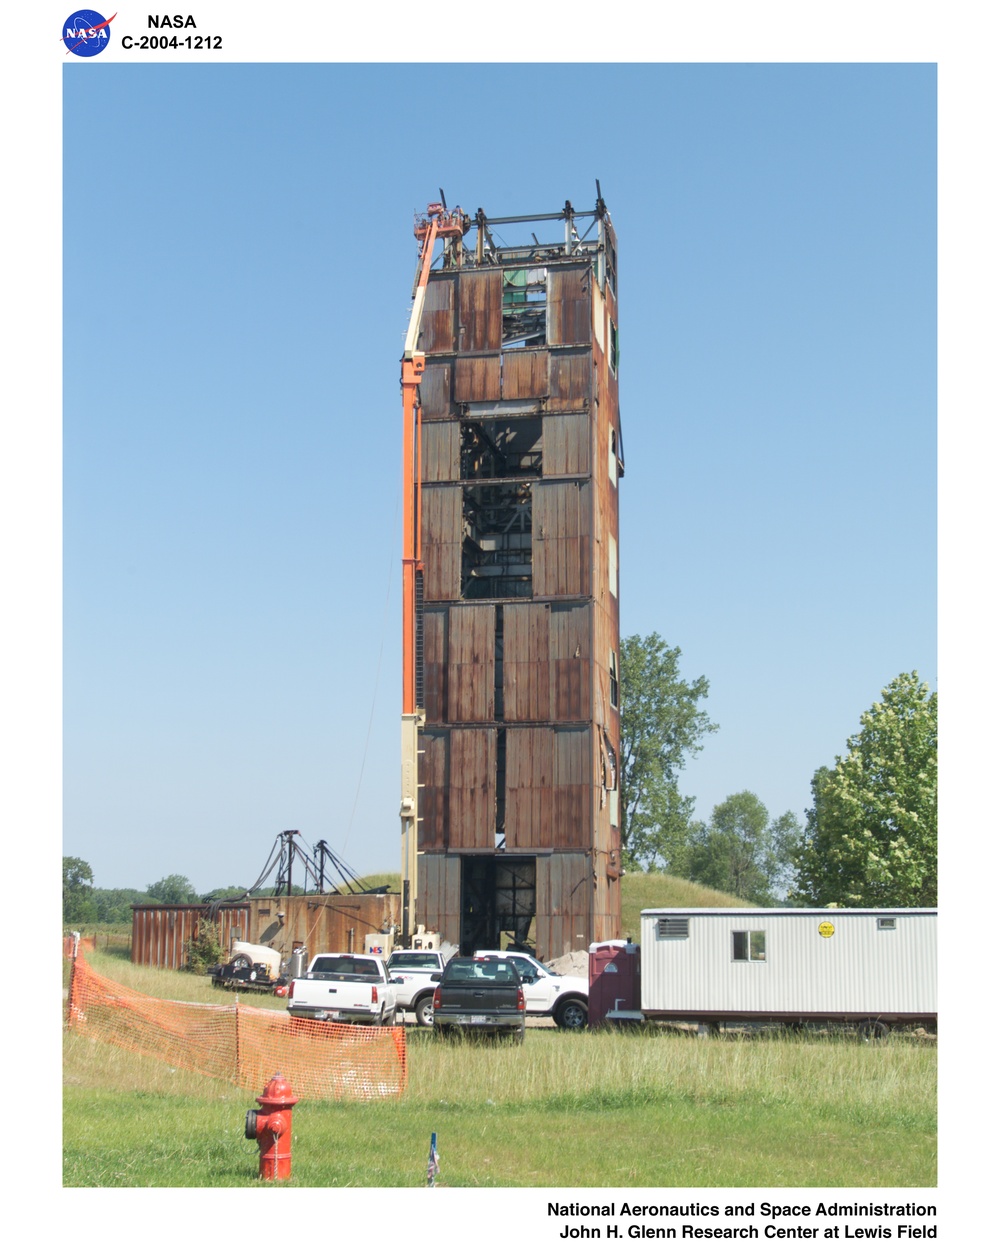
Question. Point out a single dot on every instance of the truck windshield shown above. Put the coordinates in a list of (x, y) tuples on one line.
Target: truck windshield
[(414, 959), (346, 966), (500, 971)]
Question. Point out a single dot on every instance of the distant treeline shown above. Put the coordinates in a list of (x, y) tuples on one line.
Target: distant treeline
[(87, 904)]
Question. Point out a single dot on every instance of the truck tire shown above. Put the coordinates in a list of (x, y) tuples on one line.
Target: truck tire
[(423, 1009), (571, 1013)]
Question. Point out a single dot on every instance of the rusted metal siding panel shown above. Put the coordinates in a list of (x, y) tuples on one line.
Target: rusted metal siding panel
[(570, 662), (568, 313), (561, 545), (566, 439), (432, 828), (435, 390), (472, 767), (441, 523), (479, 310), (327, 922), (570, 379), (439, 891), (526, 681), (529, 788), (160, 935), (437, 326), (572, 788), (167, 931), (233, 922), (471, 663), (439, 451), (435, 666), (525, 374), (565, 889), (477, 378)]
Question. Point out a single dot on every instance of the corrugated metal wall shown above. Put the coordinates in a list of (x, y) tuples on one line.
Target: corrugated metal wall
[(441, 522), (524, 374), (565, 891), (526, 666), (318, 921), (471, 663), (561, 533), (439, 892), (860, 969), (160, 934), (472, 760)]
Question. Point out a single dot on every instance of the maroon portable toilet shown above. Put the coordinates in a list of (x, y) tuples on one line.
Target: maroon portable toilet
[(614, 982)]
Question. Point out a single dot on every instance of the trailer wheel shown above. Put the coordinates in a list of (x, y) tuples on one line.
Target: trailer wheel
[(423, 1009), (873, 1031), (572, 1014)]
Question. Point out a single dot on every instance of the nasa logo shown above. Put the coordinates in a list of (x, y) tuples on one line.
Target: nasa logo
[(86, 32)]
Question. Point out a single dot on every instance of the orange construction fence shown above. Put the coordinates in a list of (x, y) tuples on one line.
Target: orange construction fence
[(244, 1045)]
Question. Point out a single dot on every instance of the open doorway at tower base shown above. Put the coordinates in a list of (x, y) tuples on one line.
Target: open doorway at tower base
[(498, 901)]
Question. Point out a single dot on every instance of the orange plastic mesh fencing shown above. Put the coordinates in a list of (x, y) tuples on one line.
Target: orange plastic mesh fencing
[(244, 1045)]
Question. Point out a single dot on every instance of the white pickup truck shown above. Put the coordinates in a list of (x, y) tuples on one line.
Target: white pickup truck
[(355, 989), (548, 994), (411, 972)]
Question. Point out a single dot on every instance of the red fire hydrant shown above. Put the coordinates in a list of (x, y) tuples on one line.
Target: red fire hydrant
[(271, 1128)]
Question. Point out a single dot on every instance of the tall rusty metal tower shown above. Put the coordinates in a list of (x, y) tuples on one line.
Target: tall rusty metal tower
[(512, 455)]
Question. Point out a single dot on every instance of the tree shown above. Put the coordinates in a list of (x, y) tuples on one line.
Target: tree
[(174, 889), (115, 906), (78, 891), (743, 851), (661, 725), (871, 835)]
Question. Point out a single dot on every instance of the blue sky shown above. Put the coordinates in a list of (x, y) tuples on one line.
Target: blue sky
[(231, 515)]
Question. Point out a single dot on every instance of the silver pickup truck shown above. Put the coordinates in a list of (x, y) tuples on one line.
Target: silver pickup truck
[(351, 988)]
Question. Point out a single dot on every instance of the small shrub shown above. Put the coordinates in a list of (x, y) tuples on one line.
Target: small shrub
[(205, 948)]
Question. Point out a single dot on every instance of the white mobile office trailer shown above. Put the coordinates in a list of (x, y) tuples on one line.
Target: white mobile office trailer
[(872, 968)]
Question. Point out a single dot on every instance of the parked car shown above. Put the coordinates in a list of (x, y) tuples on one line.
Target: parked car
[(480, 995), (341, 986)]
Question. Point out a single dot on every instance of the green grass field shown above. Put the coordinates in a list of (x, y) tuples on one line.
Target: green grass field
[(679, 1111), (649, 1108)]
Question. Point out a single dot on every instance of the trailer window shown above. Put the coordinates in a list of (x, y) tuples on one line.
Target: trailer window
[(886, 922), (749, 946)]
